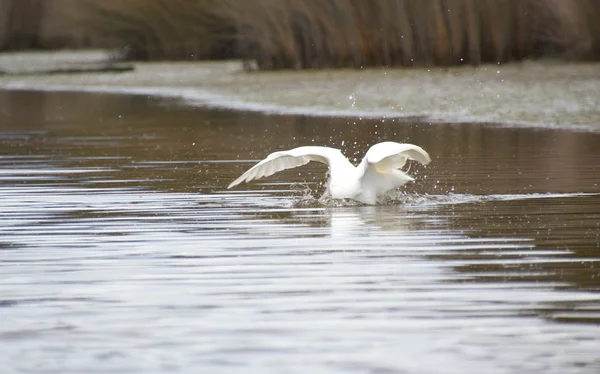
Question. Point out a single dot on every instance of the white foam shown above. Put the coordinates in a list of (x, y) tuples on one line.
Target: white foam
[(432, 201)]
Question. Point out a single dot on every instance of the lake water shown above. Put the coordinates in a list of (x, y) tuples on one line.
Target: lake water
[(121, 251)]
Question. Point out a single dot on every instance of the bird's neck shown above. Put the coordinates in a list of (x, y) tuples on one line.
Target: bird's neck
[(342, 168), (344, 179)]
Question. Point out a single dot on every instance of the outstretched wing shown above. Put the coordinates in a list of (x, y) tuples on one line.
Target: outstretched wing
[(387, 157), (381, 167), (282, 160)]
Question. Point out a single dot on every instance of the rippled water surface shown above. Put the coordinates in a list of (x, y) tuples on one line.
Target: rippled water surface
[(121, 251)]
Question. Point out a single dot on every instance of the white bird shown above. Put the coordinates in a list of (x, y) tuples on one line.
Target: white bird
[(378, 172)]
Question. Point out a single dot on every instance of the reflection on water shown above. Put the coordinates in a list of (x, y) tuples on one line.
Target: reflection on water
[(121, 250)]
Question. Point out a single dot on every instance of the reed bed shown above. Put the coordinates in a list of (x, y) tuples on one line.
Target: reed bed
[(43, 24), (160, 29), (305, 34), (290, 34), (20, 24)]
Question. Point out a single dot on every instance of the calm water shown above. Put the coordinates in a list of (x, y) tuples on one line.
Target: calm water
[(122, 252)]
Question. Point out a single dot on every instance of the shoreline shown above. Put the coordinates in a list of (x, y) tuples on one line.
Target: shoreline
[(529, 94)]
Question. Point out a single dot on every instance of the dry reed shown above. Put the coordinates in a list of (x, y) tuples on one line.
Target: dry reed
[(20, 24), (42, 24), (160, 29), (304, 34), (354, 33)]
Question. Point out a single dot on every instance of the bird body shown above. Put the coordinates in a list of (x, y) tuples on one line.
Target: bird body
[(379, 171)]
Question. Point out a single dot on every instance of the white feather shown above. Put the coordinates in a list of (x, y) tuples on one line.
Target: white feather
[(283, 160), (378, 172)]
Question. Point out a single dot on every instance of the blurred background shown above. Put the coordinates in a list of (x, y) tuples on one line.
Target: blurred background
[(287, 34)]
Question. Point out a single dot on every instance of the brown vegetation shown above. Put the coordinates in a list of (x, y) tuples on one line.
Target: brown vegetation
[(42, 24), (355, 33), (20, 24), (160, 29), (294, 34)]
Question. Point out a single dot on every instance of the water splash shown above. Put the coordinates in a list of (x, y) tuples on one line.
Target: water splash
[(427, 201)]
